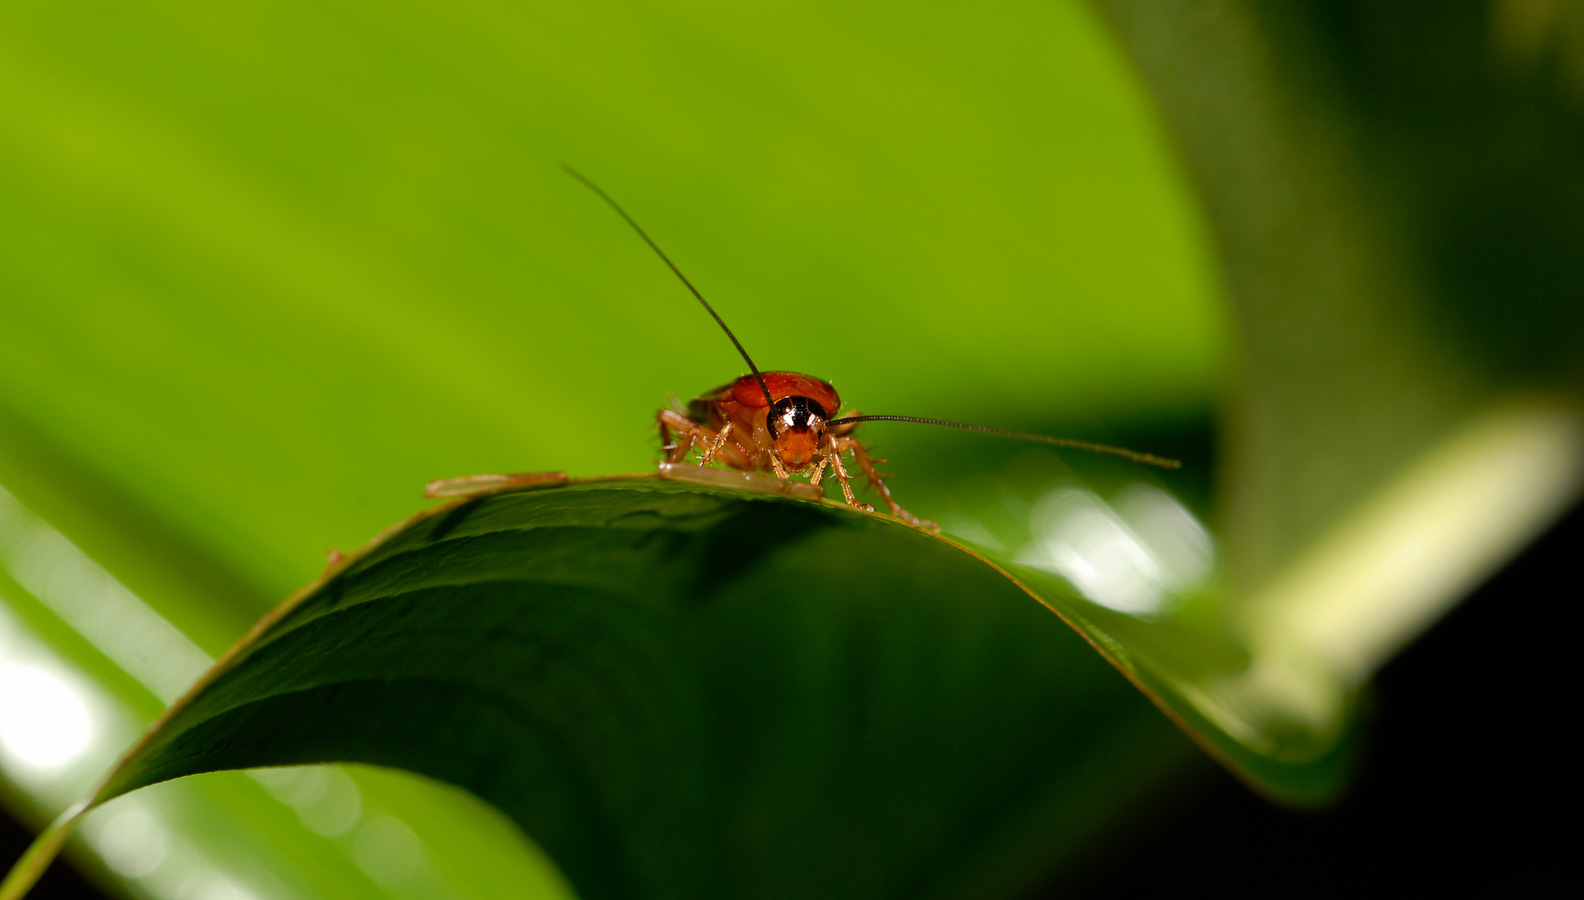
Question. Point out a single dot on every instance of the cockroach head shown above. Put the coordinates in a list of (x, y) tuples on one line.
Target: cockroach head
[(796, 425)]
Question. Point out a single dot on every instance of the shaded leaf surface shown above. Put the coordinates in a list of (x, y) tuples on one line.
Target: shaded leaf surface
[(689, 693)]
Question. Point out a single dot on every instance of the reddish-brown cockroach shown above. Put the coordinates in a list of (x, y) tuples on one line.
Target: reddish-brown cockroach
[(787, 423)]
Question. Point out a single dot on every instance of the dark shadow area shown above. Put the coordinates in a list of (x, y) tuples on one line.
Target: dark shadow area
[(1470, 129), (1469, 781), (60, 882), (741, 543)]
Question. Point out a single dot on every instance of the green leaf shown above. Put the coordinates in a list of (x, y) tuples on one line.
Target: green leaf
[(654, 678)]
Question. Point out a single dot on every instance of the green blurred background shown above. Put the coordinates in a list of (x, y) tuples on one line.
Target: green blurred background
[(265, 269)]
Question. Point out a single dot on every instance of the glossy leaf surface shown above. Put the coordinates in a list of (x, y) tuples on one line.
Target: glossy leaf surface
[(654, 678)]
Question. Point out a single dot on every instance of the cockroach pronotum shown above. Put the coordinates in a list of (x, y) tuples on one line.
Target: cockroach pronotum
[(777, 422)]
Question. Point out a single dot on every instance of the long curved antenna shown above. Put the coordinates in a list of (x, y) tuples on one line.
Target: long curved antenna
[(661, 253), (1148, 459)]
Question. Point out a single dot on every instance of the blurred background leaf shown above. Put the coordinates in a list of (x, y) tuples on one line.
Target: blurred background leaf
[(263, 266)]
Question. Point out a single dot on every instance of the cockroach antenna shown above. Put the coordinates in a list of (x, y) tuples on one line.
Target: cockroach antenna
[(667, 260), (1148, 459)]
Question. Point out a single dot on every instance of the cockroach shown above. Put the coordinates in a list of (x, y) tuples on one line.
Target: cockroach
[(787, 423)]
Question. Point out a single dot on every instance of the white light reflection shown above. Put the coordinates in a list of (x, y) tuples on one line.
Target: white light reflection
[(1184, 554), (388, 850), (1134, 558), (970, 529), (210, 886), (60, 729), (327, 801), (45, 723), (137, 841), (56, 730), (131, 842), (55, 734), (100, 608)]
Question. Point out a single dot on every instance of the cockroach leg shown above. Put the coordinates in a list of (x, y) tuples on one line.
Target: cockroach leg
[(866, 465), (819, 471), (478, 485), (715, 445), (688, 432), (673, 448), (834, 455)]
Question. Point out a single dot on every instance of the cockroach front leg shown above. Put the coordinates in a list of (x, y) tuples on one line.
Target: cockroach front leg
[(819, 470), (716, 445), (833, 456), (688, 433), (866, 465)]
